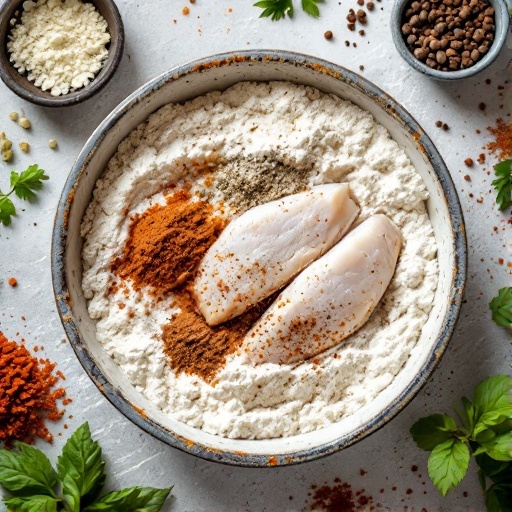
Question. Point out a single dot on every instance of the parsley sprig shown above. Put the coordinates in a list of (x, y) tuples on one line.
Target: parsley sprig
[(24, 185), (503, 184), (501, 307), (34, 485), (486, 433), (277, 9)]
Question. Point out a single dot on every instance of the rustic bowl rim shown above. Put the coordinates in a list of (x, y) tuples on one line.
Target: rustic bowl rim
[(498, 43), (71, 325), (18, 83)]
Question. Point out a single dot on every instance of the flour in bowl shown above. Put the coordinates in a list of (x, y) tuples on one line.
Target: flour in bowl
[(228, 152)]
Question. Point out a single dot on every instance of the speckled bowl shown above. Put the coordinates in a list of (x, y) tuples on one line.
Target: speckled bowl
[(218, 73), (502, 27), (26, 89)]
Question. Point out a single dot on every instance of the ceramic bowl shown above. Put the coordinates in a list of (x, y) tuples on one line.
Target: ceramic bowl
[(218, 73), (19, 84), (502, 26)]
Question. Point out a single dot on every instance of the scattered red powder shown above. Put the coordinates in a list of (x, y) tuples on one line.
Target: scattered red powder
[(502, 143), (339, 498), (27, 394)]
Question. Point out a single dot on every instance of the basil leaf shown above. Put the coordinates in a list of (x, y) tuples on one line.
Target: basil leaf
[(134, 499), (26, 471), (498, 498), (492, 468), (491, 395), (470, 413), (32, 504), (499, 448), (447, 464), (81, 468), (433, 430)]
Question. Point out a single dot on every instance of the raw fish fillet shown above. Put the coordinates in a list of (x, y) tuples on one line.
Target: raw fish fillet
[(329, 300), (260, 251)]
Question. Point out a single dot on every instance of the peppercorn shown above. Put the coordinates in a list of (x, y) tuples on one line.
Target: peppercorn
[(328, 35), (52, 143)]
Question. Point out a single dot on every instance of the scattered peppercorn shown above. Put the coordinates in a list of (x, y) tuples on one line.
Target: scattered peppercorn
[(186, 11), (469, 162), (328, 35), (467, 177), (445, 127), (439, 124), (13, 282), (482, 106)]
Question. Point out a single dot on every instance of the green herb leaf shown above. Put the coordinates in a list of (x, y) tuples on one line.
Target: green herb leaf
[(26, 471), (276, 9), (32, 504), (433, 430), (311, 7), (447, 464), (503, 184), (492, 401), (501, 307), (7, 210), (498, 498), (469, 410), (81, 468), (29, 180), (134, 499), (499, 448)]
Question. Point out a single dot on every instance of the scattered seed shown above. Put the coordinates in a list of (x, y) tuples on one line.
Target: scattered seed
[(7, 155), (469, 162), (13, 116), (328, 35), (24, 146), (24, 123), (52, 143)]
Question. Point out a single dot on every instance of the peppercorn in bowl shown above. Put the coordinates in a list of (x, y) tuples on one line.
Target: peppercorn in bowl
[(449, 39), (42, 41), (156, 368)]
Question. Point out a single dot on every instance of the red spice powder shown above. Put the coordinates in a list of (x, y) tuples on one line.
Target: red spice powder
[(27, 394), (502, 143), (340, 498)]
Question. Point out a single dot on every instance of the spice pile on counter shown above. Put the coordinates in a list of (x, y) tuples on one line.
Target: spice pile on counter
[(61, 45), (27, 394), (449, 35)]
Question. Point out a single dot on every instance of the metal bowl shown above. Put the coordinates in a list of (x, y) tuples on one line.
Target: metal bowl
[(218, 73), (23, 87), (502, 26)]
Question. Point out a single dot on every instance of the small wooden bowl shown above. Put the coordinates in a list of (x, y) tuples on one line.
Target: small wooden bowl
[(26, 89)]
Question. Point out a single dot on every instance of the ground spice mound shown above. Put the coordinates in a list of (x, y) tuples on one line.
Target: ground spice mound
[(27, 394), (340, 498), (167, 242), (194, 347), (502, 143)]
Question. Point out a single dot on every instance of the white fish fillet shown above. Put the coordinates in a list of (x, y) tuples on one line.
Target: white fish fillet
[(329, 300), (268, 245)]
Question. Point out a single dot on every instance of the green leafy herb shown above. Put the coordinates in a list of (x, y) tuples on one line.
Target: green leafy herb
[(24, 186), (277, 9), (501, 307), (503, 184), (34, 486), (486, 433)]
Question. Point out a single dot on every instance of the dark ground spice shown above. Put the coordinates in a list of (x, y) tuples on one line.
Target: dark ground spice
[(340, 498)]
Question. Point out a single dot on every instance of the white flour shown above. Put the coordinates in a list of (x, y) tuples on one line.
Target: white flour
[(303, 129)]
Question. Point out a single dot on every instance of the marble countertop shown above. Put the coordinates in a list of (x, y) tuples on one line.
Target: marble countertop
[(159, 37)]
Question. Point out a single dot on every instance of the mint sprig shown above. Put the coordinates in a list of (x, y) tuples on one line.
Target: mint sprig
[(25, 186), (485, 433), (33, 484)]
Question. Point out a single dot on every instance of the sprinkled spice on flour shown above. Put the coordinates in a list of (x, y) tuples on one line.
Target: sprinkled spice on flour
[(167, 242), (164, 248), (27, 394), (502, 143)]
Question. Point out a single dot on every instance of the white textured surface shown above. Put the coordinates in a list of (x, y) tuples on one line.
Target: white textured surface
[(478, 348)]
